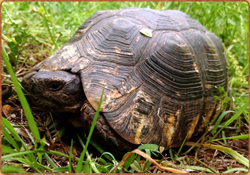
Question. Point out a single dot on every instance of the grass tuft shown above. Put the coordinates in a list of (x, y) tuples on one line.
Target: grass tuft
[(79, 165)]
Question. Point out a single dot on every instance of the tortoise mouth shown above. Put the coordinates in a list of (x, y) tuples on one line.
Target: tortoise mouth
[(49, 106)]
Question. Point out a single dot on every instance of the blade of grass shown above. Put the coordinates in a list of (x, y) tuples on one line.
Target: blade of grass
[(70, 155), (8, 126), (152, 147), (171, 154), (246, 116), (102, 161), (86, 168), (245, 136), (60, 154), (61, 169), (5, 157), (238, 157), (129, 161), (29, 163), (17, 137), (88, 161), (233, 170), (176, 156), (43, 13), (50, 160), (93, 166), (110, 156), (234, 117), (35, 167), (6, 38), (149, 148), (12, 169), (24, 103), (224, 137), (219, 121), (79, 164), (206, 165), (136, 166), (7, 149), (9, 138), (94, 143)]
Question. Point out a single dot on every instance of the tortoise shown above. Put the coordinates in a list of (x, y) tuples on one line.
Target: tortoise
[(159, 86)]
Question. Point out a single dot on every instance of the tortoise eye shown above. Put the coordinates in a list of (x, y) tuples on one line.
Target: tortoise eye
[(55, 86)]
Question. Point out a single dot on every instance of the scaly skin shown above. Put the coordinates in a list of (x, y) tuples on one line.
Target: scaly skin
[(103, 132)]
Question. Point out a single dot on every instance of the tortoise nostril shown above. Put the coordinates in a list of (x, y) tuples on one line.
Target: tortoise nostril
[(32, 85), (32, 81)]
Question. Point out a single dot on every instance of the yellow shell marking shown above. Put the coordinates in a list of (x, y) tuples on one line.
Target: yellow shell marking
[(84, 63), (195, 68), (208, 86), (138, 131), (193, 126), (207, 117), (169, 129)]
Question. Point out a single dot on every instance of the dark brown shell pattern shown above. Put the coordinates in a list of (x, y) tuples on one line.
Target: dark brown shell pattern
[(157, 89)]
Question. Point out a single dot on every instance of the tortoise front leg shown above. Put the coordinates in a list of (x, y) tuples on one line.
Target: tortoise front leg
[(103, 132)]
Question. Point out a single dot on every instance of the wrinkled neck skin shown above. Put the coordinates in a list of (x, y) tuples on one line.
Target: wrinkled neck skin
[(55, 91)]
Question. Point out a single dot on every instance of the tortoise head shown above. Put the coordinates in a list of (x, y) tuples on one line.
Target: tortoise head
[(57, 91)]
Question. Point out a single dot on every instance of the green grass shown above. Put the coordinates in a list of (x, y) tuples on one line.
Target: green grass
[(31, 31)]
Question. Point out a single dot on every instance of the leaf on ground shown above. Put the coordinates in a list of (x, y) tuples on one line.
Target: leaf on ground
[(7, 109)]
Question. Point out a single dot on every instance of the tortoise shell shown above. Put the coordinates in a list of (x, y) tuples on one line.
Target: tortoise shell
[(157, 89)]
